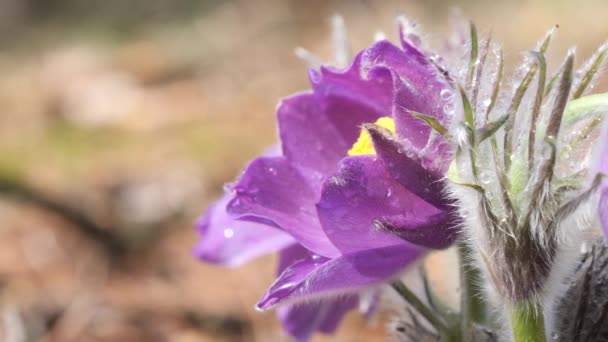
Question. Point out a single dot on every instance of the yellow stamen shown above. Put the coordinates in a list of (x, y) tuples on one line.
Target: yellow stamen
[(364, 144)]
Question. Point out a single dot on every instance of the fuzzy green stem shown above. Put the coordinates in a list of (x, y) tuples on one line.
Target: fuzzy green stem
[(528, 323), (473, 307), (419, 306)]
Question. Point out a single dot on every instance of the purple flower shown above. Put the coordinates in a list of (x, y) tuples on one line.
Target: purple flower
[(600, 164), (355, 196)]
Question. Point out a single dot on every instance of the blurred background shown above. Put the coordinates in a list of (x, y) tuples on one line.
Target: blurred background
[(120, 120)]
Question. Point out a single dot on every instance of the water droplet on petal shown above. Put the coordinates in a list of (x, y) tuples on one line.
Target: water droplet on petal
[(228, 233), (448, 109), (446, 94)]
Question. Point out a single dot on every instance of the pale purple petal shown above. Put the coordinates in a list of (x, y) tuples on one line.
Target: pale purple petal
[(362, 194), (273, 191), (229, 242), (304, 319), (603, 208), (317, 277), (600, 165), (290, 256)]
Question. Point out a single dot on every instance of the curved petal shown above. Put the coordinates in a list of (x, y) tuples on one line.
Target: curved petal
[(436, 231), (358, 197), (302, 320), (273, 191), (417, 86), (305, 131), (290, 256), (317, 129), (603, 208), (408, 168), (226, 241), (359, 82), (599, 164), (317, 277)]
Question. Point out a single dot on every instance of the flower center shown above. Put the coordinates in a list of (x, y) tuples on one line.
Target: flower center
[(364, 144)]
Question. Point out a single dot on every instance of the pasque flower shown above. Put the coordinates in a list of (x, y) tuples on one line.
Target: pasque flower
[(355, 193)]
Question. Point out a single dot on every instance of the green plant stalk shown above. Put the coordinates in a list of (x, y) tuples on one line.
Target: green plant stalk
[(528, 323), (419, 306), (472, 306)]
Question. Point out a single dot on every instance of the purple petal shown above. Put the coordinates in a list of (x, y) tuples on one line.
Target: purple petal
[(302, 320), (273, 191), (290, 256), (600, 165), (317, 129), (317, 277), (229, 242), (418, 86), (308, 137), (436, 231), (356, 82), (407, 168), (603, 208), (362, 193)]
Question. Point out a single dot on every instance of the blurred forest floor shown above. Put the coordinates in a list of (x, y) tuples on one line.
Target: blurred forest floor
[(121, 120)]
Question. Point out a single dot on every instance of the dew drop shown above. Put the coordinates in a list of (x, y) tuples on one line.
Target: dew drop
[(389, 193), (446, 94), (449, 108), (228, 233)]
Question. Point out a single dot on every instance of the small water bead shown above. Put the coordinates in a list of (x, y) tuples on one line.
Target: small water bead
[(389, 193), (449, 109), (446, 94), (228, 233), (316, 257), (272, 171)]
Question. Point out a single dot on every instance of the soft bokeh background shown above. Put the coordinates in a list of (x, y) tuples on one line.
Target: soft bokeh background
[(129, 115)]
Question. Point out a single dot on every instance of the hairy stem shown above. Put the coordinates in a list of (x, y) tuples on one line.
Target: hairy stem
[(417, 304), (472, 305), (528, 323)]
